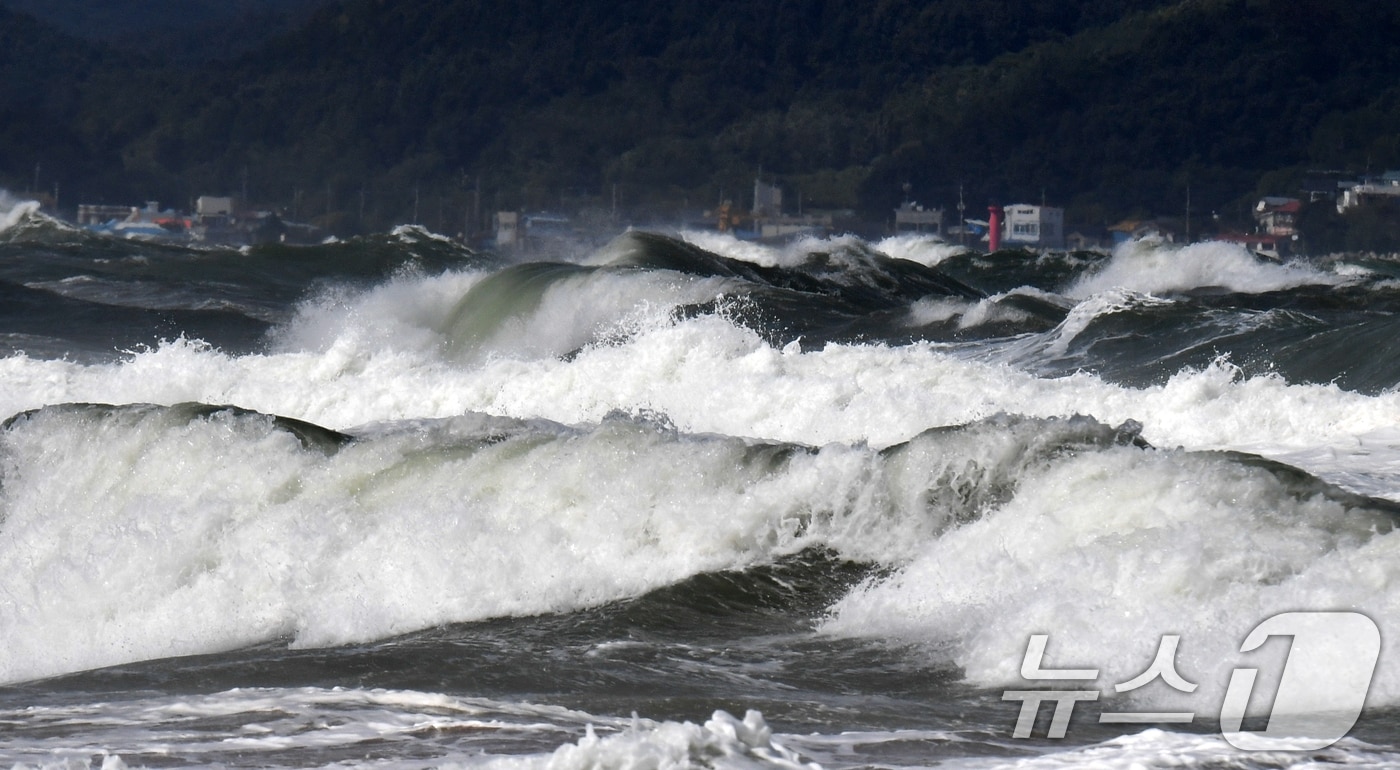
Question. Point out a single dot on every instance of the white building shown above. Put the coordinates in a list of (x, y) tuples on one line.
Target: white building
[(912, 216), (767, 199), (1035, 227), (508, 234), (1387, 188), (213, 206)]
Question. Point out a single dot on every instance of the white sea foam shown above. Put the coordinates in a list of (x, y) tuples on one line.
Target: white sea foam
[(1156, 268), (937, 310), (314, 727), (410, 234), (177, 539), (999, 308), (1154, 748), (722, 743), (142, 534), (925, 249), (1109, 552), (726, 245), (415, 314), (140, 539), (303, 727), (707, 376), (1095, 307), (967, 314), (15, 210), (401, 730)]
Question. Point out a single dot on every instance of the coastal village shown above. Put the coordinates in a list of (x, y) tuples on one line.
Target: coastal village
[(1275, 232), (217, 220)]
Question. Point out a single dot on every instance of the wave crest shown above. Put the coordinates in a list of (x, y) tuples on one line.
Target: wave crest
[(1148, 267)]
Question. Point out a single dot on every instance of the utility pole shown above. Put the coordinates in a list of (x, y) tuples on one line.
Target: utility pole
[(962, 223), (1188, 214)]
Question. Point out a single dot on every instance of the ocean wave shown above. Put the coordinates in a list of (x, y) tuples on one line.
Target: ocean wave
[(321, 727), (396, 729), (927, 250), (297, 726), (137, 532), (16, 211), (639, 281), (1156, 748), (610, 431), (1155, 268), (708, 375), (1110, 551), (723, 742)]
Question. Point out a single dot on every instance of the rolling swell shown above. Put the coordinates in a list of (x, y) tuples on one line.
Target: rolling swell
[(1117, 548), (750, 627), (43, 323), (1015, 516), (251, 528), (865, 566), (310, 435), (505, 295), (93, 295), (1005, 271), (1305, 335), (840, 292), (148, 522), (852, 272)]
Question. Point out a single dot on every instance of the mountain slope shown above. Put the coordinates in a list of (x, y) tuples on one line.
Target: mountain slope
[(373, 110), (1209, 94), (189, 30)]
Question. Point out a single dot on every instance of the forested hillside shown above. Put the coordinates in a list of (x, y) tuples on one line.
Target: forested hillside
[(376, 109), (172, 30)]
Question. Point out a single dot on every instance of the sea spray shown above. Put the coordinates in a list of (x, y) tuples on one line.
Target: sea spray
[(837, 481), (14, 211), (192, 529), (1109, 552), (1159, 268)]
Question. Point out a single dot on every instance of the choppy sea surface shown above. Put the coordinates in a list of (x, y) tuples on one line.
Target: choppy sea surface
[(682, 501)]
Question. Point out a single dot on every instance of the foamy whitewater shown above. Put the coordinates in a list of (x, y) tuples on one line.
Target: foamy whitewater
[(685, 501)]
